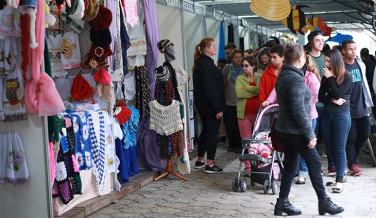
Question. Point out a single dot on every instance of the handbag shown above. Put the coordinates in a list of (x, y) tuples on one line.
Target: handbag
[(276, 141)]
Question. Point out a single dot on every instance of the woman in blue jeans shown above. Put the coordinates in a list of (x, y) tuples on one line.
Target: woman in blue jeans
[(336, 120)]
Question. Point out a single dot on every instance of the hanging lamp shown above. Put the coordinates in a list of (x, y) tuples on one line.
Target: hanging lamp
[(274, 10)]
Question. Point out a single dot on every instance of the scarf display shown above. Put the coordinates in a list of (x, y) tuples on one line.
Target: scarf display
[(142, 90), (235, 72), (125, 41), (13, 166)]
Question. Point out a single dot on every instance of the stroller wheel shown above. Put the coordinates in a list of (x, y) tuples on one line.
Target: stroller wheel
[(235, 184), (274, 187), (243, 185), (266, 187)]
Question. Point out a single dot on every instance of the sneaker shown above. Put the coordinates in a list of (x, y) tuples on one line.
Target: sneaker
[(332, 171), (355, 171), (322, 173), (324, 154), (199, 165), (213, 169)]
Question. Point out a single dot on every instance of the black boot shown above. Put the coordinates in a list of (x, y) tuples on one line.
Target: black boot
[(283, 205), (327, 206)]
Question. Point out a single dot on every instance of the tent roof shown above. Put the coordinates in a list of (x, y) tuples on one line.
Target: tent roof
[(342, 14)]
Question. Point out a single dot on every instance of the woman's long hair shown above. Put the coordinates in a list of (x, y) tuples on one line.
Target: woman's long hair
[(337, 66), (263, 51), (311, 66), (199, 49)]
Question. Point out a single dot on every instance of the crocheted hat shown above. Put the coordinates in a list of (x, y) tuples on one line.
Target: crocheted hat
[(99, 51), (103, 20), (80, 88), (101, 38), (91, 16), (169, 53), (162, 45), (102, 76), (163, 74)]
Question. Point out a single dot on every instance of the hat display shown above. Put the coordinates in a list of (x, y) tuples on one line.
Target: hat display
[(91, 16), (163, 74), (80, 88), (274, 10), (313, 34), (102, 76), (101, 38), (273, 39), (103, 19), (162, 45)]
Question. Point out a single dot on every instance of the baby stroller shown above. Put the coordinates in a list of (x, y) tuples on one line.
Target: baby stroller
[(261, 171)]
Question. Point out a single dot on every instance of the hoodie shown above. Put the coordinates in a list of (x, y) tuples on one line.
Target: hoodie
[(267, 83)]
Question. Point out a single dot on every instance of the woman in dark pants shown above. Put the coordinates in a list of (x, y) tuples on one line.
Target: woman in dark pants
[(295, 131), (231, 73), (210, 102)]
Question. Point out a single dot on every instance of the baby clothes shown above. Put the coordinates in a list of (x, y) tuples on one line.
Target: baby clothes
[(54, 48), (10, 24), (70, 51)]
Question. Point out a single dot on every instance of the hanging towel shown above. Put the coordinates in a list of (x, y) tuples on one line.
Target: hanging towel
[(3, 156), (2, 117), (131, 12), (70, 51), (16, 168), (13, 95)]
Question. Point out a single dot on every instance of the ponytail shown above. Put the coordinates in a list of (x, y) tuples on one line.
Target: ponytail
[(195, 57), (199, 49)]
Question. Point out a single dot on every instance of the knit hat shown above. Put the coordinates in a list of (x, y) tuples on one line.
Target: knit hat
[(163, 74), (102, 76), (80, 88), (99, 52), (91, 16), (101, 38), (162, 45), (103, 19), (313, 34), (169, 53)]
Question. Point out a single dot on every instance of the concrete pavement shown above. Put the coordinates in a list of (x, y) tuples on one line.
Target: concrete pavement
[(211, 195)]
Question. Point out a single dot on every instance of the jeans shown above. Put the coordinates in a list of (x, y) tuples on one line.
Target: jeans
[(318, 132), (231, 122), (358, 135), (207, 141), (335, 129), (294, 145), (303, 169)]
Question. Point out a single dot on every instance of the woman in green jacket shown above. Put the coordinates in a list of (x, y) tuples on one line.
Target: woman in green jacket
[(247, 90)]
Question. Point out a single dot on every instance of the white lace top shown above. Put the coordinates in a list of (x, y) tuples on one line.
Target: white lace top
[(165, 120)]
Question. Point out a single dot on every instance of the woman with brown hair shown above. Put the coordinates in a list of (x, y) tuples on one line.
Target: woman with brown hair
[(263, 60), (294, 127), (335, 93), (231, 73), (210, 102)]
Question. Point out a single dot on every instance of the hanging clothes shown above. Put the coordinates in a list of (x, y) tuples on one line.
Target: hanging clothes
[(70, 51), (124, 41)]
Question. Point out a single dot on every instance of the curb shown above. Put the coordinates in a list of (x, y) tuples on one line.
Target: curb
[(90, 206)]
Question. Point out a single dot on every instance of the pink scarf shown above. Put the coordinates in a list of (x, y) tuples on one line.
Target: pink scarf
[(40, 92)]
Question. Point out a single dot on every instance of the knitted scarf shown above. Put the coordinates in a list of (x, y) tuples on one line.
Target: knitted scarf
[(143, 96), (235, 72)]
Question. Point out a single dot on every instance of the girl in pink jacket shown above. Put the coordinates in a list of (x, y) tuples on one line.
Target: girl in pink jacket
[(312, 80)]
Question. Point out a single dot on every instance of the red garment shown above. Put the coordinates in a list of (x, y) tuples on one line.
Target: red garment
[(253, 104), (267, 83)]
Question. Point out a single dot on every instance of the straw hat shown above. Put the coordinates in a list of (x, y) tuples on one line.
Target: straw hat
[(274, 10)]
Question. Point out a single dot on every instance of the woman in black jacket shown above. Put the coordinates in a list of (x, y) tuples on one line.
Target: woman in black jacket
[(296, 134), (335, 93), (210, 101)]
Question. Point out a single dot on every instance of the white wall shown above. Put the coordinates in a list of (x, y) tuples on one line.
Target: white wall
[(194, 27), (169, 22), (30, 199), (212, 29)]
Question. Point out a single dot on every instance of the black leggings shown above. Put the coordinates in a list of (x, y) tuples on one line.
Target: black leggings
[(294, 145), (207, 142), (232, 128)]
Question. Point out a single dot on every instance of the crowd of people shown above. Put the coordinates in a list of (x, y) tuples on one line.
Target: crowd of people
[(322, 93)]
